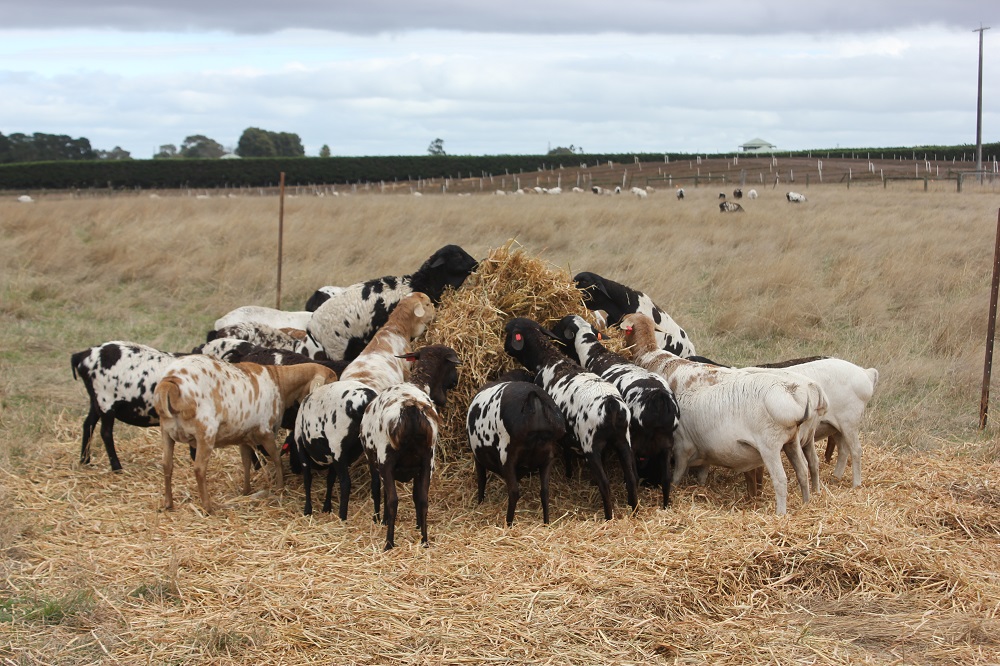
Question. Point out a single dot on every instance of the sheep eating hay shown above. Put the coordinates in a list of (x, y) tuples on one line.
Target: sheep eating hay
[(508, 283)]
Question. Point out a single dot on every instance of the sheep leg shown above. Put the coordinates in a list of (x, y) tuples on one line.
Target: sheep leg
[(206, 442), (331, 477), (778, 480), (345, 488), (307, 479), (812, 460), (513, 487), (245, 453), (480, 482), (543, 474), (848, 441), (665, 478), (831, 446), (274, 453), (376, 487), (754, 479), (89, 423), (168, 470), (624, 450), (793, 451), (421, 495), (391, 503), (107, 434), (601, 477)]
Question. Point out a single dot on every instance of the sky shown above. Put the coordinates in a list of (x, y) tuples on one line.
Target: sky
[(387, 77)]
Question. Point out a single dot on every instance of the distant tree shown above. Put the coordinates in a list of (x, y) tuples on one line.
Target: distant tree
[(256, 142), (560, 150), (39, 146), (167, 151), (116, 153), (324, 151), (287, 144), (436, 147), (200, 146)]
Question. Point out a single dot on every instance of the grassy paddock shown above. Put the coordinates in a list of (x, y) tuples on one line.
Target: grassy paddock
[(903, 569)]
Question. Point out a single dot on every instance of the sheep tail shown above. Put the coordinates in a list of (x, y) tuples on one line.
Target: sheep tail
[(413, 427), (76, 359), (170, 391)]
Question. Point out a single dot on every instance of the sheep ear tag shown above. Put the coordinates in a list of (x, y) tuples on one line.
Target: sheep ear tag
[(518, 342), (599, 336), (419, 310), (627, 328), (411, 357)]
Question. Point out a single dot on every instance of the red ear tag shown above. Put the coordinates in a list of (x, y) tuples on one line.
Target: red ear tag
[(627, 329), (517, 336), (599, 336)]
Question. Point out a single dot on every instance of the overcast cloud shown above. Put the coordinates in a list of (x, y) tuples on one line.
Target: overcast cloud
[(383, 77)]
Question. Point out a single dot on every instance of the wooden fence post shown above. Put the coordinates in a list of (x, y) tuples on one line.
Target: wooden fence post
[(984, 401), (281, 230)]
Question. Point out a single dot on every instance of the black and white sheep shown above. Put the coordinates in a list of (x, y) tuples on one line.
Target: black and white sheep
[(596, 415), (399, 432), (321, 296), (795, 197), (258, 314), (345, 323), (514, 428), (651, 404), (269, 337), (738, 193), (120, 378), (617, 300), (730, 207)]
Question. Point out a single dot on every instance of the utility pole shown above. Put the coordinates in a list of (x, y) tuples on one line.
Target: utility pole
[(979, 108)]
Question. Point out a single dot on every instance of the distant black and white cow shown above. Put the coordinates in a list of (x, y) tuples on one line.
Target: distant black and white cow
[(617, 300), (730, 207), (346, 322)]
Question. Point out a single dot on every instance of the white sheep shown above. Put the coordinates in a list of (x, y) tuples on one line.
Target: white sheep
[(258, 314), (795, 197)]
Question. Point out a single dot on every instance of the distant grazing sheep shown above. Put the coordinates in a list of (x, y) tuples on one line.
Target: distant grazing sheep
[(730, 207), (752, 194), (795, 197), (737, 193), (680, 192)]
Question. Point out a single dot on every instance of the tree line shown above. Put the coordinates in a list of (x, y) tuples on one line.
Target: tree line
[(254, 142)]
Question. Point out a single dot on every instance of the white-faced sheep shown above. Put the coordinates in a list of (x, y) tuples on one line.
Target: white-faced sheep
[(514, 428), (258, 314), (399, 432), (795, 197), (380, 365), (617, 300), (752, 194), (652, 406), (120, 378), (207, 404), (639, 192), (321, 296), (729, 417), (848, 388), (596, 415), (345, 323)]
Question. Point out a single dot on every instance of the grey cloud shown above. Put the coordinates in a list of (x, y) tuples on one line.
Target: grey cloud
[(580, 17)]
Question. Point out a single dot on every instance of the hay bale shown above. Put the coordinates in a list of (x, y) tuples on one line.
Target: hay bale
[(508, 283)]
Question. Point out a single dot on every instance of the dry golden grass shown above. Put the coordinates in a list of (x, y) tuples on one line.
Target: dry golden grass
[(902, 570)]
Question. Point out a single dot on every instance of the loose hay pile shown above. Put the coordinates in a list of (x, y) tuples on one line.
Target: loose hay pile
[(901, 570), (508, 284)]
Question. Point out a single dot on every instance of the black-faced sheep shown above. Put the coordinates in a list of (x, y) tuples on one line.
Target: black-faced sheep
[(596, 415), (345, 323)]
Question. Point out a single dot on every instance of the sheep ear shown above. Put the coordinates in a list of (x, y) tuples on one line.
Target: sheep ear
[(411, 357), (568, 334), (419, 310), (437, 263), (517, 342), (658, 329)]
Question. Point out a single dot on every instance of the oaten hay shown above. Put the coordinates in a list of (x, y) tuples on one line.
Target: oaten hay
[(508, 283)]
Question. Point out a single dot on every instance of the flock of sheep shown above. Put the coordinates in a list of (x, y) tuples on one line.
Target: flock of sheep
[(344, 379)]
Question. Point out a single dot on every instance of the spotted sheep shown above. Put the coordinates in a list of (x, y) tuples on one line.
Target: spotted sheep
[(617, 300), (120, 378), (344, 324), (321, 296), (795, 197), (399, 433), (208, 404), (730, 207), (680, 192), (653, 409), (269, 337), (380, 364), (597, 417), (730, 417), (514, 428)]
